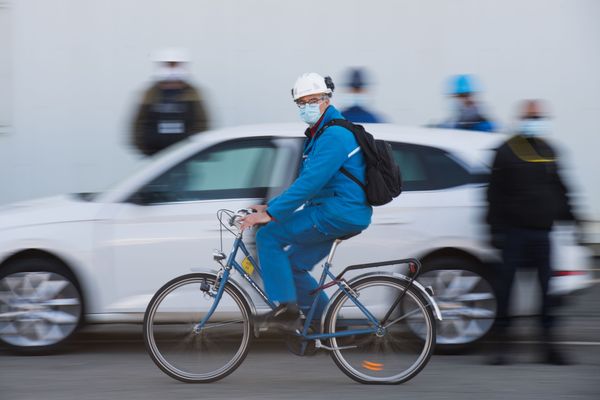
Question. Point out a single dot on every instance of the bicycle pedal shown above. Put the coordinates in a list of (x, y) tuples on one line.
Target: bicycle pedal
[(300, 347)]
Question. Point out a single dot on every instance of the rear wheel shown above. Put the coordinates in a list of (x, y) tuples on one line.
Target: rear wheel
[(40, 305), (396, 352), (465, 295), (188, 354)]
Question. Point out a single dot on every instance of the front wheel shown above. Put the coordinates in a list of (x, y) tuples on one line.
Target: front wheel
[(402, 346), (181, 348)]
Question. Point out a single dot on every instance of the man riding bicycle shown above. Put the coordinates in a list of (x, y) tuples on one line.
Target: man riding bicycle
[(322, 204)]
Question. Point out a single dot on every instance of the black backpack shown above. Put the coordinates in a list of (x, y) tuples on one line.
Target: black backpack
[(383, 178)]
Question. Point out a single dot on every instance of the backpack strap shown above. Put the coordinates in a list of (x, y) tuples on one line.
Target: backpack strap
[(350, 127), (353, 178), (325, 126)]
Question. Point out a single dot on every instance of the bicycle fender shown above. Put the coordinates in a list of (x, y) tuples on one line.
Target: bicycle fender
[(424, 292), (416, 284)]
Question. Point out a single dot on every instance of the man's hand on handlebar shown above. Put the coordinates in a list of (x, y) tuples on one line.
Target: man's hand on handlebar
[(260, 217), (258, 207)]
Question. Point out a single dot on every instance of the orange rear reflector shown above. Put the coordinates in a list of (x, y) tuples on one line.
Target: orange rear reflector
[(372, 366)]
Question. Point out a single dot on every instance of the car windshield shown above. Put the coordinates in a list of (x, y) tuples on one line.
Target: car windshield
[(140, 165)]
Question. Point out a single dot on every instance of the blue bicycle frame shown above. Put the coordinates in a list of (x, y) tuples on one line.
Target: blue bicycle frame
[(238, 244)]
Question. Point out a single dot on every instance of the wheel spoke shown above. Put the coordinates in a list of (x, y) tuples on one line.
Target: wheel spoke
[(50, 289), (11, 315), (60, 302), (222, 324), (57, 317), (408, 314)]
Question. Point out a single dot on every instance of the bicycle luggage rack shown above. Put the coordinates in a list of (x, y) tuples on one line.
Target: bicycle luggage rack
[(414, 268)]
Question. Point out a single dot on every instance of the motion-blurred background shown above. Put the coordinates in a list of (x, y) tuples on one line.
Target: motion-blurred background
[(72, 72)]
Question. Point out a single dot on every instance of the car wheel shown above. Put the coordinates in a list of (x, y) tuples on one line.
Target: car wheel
[(464, 293), (40, 305)]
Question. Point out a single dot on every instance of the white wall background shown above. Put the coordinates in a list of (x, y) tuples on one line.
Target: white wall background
[(77, 68)]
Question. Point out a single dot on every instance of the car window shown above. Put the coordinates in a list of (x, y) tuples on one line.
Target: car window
[(235, 169), (414, 173), (428, 168), (445, 171)]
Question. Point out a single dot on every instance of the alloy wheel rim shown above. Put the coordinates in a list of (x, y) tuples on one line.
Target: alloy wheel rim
[(466, 301), (37, 308)]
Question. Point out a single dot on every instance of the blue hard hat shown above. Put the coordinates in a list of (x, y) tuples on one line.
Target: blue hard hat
[(461, 84)]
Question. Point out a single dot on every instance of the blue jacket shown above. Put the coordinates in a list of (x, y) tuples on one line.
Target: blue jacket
[(339, 204)]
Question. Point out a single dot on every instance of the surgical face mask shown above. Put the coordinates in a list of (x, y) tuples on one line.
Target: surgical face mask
[(357, 99), (310, 113), (533, 127), (168, 74), (462, 111)]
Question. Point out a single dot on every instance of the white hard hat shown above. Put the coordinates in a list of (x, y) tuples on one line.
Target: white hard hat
[(172, 55), (311, 83)]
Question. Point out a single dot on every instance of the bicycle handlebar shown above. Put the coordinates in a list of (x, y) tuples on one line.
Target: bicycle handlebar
[(234, 219)]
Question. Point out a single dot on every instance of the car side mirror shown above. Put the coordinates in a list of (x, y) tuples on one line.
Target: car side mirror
[(141, 199)]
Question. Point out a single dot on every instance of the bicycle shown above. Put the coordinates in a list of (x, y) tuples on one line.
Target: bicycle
[(387, 338)]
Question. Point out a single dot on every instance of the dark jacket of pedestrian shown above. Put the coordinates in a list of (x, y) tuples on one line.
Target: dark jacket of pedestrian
[(526, 189), (166, 116)]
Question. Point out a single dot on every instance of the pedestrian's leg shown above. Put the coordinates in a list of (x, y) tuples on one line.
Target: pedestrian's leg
[(540, 252), (512, 256)]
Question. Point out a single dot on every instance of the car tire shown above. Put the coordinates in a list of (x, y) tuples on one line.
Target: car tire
[(41, 305), (464, 292)]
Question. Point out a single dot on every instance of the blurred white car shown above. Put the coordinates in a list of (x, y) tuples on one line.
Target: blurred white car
[(100, 257)]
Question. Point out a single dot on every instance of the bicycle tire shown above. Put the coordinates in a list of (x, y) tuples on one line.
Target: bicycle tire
[(363, 357), (170, 328)]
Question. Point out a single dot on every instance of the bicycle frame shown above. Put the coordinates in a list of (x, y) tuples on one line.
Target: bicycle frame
[(231, 263)]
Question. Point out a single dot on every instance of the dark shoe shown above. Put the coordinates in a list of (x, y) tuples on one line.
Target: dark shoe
[(550, 354), (498, 359), (555, 357), (499, 351), (284, 318)]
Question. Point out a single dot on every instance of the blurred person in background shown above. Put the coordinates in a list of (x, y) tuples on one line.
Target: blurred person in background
[(466, 110), (171, 108), (358, 98), (322, 204), (526, 195)]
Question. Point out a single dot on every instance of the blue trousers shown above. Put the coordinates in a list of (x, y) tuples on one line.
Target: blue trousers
[(287, 252)]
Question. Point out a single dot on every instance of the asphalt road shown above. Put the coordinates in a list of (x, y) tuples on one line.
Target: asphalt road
[(111, 363)]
